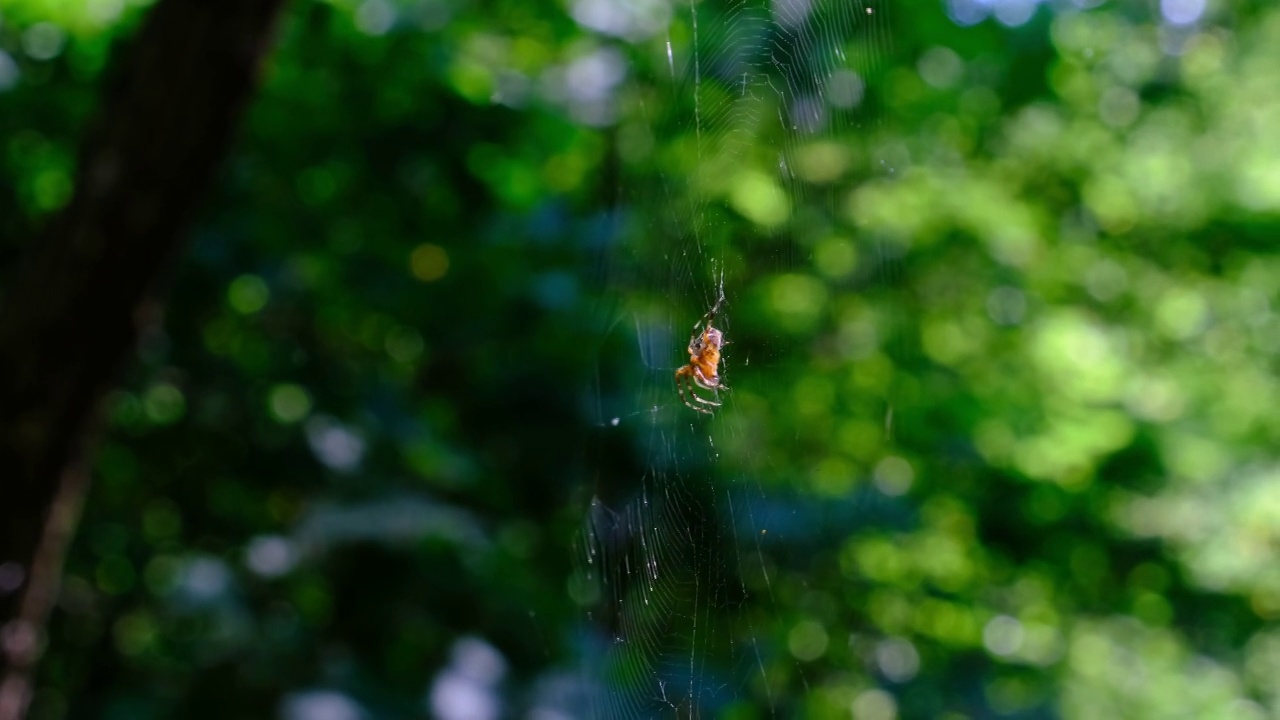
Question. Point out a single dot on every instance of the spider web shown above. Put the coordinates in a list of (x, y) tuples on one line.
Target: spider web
[(741, 122)]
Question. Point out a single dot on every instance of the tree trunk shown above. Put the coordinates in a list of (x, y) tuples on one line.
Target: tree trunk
[(71, 317)]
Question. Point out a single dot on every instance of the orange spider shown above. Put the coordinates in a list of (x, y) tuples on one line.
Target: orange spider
[(704, 362)]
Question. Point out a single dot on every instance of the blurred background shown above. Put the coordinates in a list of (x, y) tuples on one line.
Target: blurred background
[(1001, 286)]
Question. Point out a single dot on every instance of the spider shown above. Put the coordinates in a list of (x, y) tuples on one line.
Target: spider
[(704, 362)]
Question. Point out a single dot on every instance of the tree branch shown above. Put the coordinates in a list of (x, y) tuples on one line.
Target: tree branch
[(70, 319)]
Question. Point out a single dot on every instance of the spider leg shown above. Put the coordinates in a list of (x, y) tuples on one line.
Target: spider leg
[(711, 314), (710, 383), (716, 390), (696, 378), (691, 376), (683, 379)]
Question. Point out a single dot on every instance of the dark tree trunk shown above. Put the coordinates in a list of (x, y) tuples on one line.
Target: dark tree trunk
[(71, 317)]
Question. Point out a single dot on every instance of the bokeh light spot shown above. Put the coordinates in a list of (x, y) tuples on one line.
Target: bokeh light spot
[(467, 688), (759, 199), (248, 294), (43, 41), (333, 444), (289, 403), (834, 476), (629, 19), (164, 404), (161, 521), (941, 67), (807, 640), (835, 257), (874, 704), (1014, 13), (893, 476), (1119, 107), (9, 71), (845, 89), (821, 162), (429, 262), (135, 633), (897, 659), (797, 299), (320, 705), (375, 17), (1182, 12), (270, 556), (52, 188), (1182, 313), (1002, 635)]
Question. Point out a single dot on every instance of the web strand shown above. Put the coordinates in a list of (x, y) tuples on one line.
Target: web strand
[(679, 556)]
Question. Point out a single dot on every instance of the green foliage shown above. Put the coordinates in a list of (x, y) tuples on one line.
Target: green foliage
[(1003, 362)]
